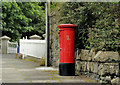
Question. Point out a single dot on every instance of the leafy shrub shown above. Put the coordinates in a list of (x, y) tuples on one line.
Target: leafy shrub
[(98, 24)]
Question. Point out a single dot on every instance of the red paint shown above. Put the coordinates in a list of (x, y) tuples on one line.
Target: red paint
[(66, 43)]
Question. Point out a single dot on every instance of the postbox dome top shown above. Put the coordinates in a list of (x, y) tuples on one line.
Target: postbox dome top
[(67, 26)]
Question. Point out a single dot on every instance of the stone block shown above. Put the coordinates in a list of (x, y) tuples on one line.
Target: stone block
[(102, 78), (57, 63), (85, 66), (84, 55), (78, 54), (97, 56), (117, 70), (114, 68), (78, 66), (100, 69), (82, 66), (106, 69), (115, 80), (88, 66), (91, 66), (92, 53), (107, 56), (108, 78), (95, 67), (102, 81), (94, 76)]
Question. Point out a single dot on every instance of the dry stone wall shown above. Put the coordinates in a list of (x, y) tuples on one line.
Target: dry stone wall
[(102, 66)]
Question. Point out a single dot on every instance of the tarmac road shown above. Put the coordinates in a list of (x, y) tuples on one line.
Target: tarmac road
[(21, 71)]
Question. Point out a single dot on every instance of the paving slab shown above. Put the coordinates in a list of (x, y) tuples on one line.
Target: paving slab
[(22, 71)]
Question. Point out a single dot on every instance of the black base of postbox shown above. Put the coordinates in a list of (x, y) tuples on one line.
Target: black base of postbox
[(67, 69)]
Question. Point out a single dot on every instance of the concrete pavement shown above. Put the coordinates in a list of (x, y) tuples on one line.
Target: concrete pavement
[(21, 71)]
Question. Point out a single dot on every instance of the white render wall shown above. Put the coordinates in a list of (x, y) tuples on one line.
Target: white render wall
[(35, 48)]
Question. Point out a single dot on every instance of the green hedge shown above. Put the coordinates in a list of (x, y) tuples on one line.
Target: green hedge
[(98, 24)]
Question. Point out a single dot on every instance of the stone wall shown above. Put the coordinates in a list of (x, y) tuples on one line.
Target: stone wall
[(54, 42), (102, 66)]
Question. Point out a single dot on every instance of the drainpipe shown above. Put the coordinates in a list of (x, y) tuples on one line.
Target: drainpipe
[(47, 4)]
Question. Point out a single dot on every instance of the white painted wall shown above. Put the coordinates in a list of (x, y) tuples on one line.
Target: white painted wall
[(35, 48)]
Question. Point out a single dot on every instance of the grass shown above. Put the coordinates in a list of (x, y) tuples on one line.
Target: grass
[(29, 60), (50, 71), (41, 62), (30, 81), (55, 78), (16, 68)]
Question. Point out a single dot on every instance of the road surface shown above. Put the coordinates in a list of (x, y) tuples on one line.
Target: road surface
[(22, 71)]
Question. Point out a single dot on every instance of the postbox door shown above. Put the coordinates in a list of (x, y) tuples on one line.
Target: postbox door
[(69, 45), (61, 46)]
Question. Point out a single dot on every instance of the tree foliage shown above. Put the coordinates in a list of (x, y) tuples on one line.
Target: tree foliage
[(98, 24), (22, 19)]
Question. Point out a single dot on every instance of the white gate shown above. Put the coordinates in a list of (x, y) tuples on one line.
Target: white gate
[(12, 47)]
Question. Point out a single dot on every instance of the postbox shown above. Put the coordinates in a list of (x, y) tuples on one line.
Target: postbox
[(66, 49)]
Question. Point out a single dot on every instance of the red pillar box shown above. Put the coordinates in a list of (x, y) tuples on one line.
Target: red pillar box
[(66, 49)]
